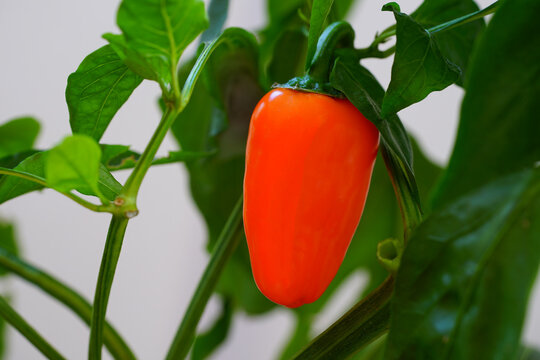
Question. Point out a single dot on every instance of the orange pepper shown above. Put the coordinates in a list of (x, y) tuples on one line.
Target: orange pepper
[(309, 161)]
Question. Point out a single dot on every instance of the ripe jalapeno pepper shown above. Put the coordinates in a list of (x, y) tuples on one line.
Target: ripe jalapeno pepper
[(309, 161)]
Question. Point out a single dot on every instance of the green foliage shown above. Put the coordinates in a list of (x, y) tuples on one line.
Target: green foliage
[(496, 133), (466, 273), (419, 67), (450, 299), (18, 135), (455, 44), (97, 90), (155, 33), (443, 309)]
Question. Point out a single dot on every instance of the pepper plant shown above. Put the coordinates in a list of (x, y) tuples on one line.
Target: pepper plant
[(451, 253)]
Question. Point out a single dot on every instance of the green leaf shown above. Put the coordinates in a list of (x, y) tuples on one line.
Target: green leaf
[(12, 187), (158, 31), (366, 94), (499, 127), (18, 135), (459, 260), (319, 12), (419, 67), (206, 343), (455, 44), (74, 164), (97, 90)]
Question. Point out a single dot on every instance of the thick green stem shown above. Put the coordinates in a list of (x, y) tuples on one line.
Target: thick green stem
[(67, 296), (365, 322), (226, 244), (133, 183), (12, 317), (111, 253)]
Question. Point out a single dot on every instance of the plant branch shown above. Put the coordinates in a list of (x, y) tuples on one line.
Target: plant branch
[(373, 49), (363, 323), (133, 183), (226, 244), (67, 296), (111, 253), (12, 317), (39, 180)]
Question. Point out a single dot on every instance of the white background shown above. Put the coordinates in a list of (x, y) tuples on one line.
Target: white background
[(41, 43)]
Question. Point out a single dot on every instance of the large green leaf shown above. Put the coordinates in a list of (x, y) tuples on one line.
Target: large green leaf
[(97, 90), (419, 67), (455, 44), (18, 135), (499, 127), (463, 257), (157, 32)]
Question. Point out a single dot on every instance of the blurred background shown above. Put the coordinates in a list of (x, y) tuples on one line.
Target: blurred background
[(164, 254)]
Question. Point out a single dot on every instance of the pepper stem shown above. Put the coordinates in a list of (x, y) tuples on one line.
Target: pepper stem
[(339, 34)]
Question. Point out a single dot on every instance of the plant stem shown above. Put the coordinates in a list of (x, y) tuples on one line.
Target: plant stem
[(373, 51), (405, 191), (67, 296), (365, 322), (226, 244), (465, 19), (39, 180), (12, 317), (133, 183), (111, 253)]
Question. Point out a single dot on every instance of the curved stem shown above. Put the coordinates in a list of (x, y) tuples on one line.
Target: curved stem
[(465, 19), (111, 253), (362, 324), (226, 244), (373, 51), (39, 180), (335, 34), (406, 194), (133, 183), (67, 296), (12, 317)]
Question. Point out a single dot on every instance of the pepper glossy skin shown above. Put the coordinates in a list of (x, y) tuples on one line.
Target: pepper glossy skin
[(309, 161)]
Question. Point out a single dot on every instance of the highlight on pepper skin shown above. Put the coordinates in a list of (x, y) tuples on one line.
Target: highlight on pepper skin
[(309, 161)]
